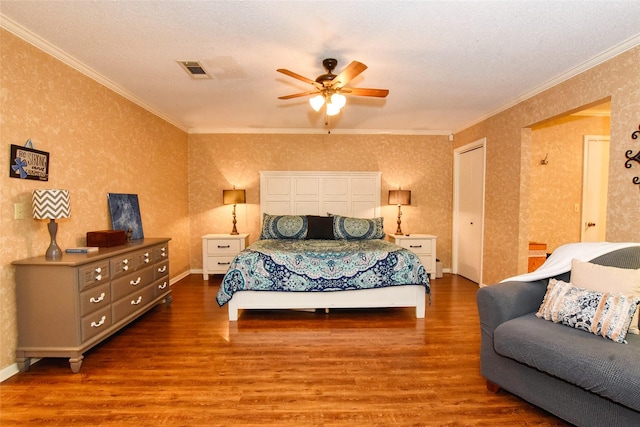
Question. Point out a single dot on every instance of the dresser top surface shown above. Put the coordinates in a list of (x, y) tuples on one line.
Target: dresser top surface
[(76, 259)]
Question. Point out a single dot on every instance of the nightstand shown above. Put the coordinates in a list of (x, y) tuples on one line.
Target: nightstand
[(423, 245), (218, 250)]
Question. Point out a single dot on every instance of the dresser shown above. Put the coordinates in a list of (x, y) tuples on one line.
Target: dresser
[(423, 245), (218, 250), (66, 307)]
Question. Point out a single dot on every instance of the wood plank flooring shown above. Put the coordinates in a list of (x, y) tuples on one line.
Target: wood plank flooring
[(187, 365)]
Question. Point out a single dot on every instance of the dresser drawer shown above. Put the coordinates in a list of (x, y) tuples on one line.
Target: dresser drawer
[(428, 262), (161, 287), (160, 253), (95, 298), (95, 323), (132, 303), (223, 247), (131, 282), (121, 265), (419, 246), (93, 274), (161, 269), (143, 258)]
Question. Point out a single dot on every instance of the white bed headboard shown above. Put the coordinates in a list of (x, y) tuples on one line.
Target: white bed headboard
[(355, 194)]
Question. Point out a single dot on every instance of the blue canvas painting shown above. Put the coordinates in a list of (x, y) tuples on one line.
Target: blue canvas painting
[(125, 214)]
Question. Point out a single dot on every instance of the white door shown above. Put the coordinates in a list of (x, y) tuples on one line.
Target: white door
[(595, 180), (469, 165)]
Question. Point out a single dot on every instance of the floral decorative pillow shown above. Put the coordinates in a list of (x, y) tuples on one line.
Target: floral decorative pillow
[(347, 228), (601, 313), (608, 279), (284, 227)]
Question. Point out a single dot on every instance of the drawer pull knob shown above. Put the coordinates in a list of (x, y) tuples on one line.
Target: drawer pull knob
[(163, 269), (224, 263), (163, 254), (224, 246), (164, 285), (415, 246), (100, 323), (137, 301), (98, 277), (135, 282), (98, 270), (125, 261), (125, 267), (97, 300)]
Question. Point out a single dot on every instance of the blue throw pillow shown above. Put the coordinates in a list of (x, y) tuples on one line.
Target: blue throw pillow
[(347, 228), (284, 227)]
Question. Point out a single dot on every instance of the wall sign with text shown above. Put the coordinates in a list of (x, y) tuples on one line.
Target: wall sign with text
[(28, 163)]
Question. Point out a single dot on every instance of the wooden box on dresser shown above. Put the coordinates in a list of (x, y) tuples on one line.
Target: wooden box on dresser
[(66, 307)]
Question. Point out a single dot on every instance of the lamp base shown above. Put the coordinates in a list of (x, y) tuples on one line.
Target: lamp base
[(234, 231), (54, 253), (399, 229)]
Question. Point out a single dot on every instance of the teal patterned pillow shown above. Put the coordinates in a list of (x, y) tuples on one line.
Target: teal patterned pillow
[(601, 313), (284, 227), (347, 228)]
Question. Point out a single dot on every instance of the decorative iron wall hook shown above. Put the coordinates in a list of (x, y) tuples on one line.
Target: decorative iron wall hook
[(635, 157)]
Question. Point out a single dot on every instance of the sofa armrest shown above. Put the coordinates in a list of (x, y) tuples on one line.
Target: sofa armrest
[(505, 301)]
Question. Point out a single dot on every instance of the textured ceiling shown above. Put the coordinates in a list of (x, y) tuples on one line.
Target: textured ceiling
[(447, 64)]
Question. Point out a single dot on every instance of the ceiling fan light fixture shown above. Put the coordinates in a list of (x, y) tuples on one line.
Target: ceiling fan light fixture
[(317, 102), (338, 100), (332, 109)]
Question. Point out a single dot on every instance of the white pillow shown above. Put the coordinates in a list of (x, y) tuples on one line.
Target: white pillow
[(608, 279)]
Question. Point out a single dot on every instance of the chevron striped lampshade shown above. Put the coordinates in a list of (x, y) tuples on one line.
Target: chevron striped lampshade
[(51, 204)]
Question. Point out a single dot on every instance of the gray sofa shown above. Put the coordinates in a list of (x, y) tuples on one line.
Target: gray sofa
[(582, 378)]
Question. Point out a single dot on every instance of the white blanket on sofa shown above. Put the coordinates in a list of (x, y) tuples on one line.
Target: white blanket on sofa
[(560, 260)]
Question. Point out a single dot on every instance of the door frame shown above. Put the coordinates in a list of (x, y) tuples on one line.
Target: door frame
[(480, 143), (585, 179)]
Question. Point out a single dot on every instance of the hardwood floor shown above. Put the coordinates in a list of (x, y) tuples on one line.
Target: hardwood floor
[(187, 365)]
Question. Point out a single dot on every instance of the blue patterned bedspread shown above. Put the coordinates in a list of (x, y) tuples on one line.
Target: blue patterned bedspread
[(321, 265)]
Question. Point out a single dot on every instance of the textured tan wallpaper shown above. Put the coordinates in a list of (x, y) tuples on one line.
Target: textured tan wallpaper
[(509, 161), (557, 186), (98, 143), (422, 164)]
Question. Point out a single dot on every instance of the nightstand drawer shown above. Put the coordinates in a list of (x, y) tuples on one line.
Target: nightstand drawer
[(219, 263), (223, 247), (418, 246)]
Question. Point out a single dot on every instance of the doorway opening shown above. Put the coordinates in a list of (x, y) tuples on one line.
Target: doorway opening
[(559, 177)]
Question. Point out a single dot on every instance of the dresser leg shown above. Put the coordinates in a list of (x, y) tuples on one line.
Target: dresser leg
[(76, 363), (167, 300)]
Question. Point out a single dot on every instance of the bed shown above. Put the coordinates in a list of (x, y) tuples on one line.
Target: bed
[(322, 246)]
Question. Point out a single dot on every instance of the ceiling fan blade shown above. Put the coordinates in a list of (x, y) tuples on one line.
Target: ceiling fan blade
[(380, 93), (296, 76), (348, 74), (298, 95)]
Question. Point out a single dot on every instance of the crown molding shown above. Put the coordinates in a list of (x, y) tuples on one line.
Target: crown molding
[(580, 68), (37, 41)]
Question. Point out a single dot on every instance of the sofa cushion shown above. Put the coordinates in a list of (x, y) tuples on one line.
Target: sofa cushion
[(601, 313), (601, 366), (608, 279)]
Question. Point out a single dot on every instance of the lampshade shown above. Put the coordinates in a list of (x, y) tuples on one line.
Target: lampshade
[(338, 100), (51, 204), (233, 197), (399, 197)]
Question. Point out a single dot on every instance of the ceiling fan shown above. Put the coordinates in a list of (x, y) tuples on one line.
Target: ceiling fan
[(329, 88)]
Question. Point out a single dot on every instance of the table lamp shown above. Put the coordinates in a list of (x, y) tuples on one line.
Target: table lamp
[(51, 205), (233, 197), (399, 197)]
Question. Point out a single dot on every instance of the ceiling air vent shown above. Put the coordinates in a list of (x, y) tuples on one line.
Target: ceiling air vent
[(194, 69)]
